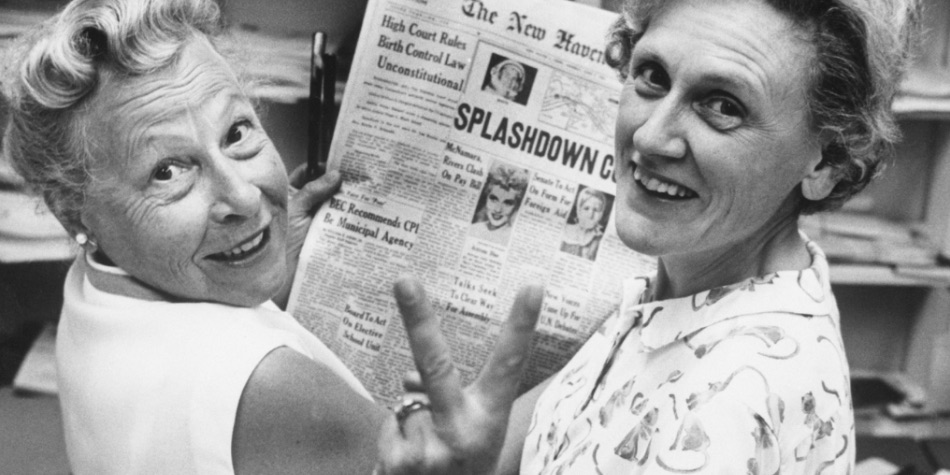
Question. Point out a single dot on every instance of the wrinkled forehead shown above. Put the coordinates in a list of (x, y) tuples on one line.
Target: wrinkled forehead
[(640, 13), (743, 45), (199, 74), (128, 107)]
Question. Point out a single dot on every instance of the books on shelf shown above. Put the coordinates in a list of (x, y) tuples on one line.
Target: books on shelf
[(924, 94), (29, 232), (869, 249), (865, 238), (37, 373)]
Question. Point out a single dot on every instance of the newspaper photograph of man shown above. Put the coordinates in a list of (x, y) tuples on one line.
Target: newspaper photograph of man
[(586, 223), (509, 79), (499, 202)]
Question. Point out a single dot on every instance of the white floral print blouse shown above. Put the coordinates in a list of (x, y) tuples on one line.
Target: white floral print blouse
[(749, 378)]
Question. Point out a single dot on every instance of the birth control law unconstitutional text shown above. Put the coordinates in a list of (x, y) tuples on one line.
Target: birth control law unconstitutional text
[(475, 140)]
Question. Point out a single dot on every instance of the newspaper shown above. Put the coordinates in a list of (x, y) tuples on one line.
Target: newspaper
[(468, 132)]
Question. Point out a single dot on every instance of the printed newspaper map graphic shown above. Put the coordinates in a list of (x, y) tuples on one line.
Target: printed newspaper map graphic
[(581, 107)]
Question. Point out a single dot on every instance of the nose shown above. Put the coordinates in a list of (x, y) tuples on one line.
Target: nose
[(236, 197), (661, 133)]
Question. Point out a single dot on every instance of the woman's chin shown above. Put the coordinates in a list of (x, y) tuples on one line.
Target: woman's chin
[(642, 238), (250, 283), (643, 246), (248, 289), (250, 297)]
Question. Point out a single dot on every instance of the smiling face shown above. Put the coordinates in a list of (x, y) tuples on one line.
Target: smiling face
[(499, 205), (589, 212), (187, 194), (712, 133)]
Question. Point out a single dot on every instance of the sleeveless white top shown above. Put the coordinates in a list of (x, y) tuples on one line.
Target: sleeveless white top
[(150, 386)]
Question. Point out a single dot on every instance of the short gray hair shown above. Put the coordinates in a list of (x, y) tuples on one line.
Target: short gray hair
[(588, 193), (862, 46), (56, 70)]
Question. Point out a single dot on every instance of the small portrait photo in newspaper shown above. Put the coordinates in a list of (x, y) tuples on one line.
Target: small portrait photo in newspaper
[(586, 223), (498, 203), (510, 79)]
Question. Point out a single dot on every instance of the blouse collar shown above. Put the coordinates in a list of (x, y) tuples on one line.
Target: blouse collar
[(114, 280), (805, 292)]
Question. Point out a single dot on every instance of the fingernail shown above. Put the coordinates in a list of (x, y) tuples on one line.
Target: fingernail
[(333, 175), (406, 289)]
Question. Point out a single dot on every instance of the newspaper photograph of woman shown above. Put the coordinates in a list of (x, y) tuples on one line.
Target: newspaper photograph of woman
[(499, 203), (510, 79), (586, 223)]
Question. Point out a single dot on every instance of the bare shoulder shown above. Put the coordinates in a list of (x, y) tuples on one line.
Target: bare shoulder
[(298, 416)]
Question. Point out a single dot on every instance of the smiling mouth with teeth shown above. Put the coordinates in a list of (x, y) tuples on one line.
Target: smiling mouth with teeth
[(244, 250), (662, 189)]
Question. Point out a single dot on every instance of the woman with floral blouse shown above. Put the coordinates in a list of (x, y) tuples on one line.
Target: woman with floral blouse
[(736, 117)]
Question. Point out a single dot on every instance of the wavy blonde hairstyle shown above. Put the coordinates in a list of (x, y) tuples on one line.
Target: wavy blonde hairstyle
[(863, 47), (54, 72), (507, 178)]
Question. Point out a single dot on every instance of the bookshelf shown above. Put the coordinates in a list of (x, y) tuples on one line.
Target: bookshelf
[(895, 306), (922, 108), (882, 275)]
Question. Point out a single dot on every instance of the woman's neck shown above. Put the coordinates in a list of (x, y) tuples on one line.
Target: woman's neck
[(576, 233), (492, 227), (104, 275), (777, 246)]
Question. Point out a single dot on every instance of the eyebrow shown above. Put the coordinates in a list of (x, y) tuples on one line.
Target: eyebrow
[(235, 100), (731, 81), (724, 77), (147, 139)]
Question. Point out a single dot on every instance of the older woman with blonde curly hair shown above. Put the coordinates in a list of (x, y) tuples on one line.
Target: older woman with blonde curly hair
[(172, 355), (736, 117)]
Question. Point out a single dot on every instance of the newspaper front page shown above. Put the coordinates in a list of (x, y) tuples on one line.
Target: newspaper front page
[(475, 140)]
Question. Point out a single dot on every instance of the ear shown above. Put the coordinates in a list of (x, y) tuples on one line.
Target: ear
[(819, 182), (820, 179)]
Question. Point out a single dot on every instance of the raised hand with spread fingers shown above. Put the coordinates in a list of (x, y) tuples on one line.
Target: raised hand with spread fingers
[(463, 430)]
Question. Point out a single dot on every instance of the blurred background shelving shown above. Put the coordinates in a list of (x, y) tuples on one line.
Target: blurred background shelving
[(889, 247)]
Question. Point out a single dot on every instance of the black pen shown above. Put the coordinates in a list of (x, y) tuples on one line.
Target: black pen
[(322, 105)]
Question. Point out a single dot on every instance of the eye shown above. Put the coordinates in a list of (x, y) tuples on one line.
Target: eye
[(650, 78), (721, 112), (238, 132), (725, 107), (167, 172)]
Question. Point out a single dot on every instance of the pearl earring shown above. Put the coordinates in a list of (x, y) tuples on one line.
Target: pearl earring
[(82, 239)]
